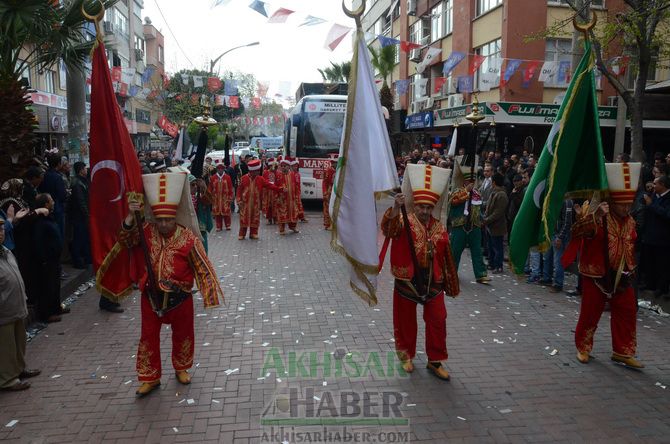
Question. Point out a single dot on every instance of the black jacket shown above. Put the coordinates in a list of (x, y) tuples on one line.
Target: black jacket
[(657, 221), (78, 207)]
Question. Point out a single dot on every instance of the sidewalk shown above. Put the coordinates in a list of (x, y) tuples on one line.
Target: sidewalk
[(512, 361)]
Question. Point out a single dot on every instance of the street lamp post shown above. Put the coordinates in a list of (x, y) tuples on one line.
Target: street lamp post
[(213, 63)]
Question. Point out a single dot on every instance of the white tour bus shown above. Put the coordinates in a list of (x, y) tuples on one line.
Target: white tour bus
[(312, 134)]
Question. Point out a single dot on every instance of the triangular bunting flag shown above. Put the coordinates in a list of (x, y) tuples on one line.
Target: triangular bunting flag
[(280, 15), (335, 36)]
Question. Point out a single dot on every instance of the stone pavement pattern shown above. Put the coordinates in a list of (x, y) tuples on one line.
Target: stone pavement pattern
[(292, 293)]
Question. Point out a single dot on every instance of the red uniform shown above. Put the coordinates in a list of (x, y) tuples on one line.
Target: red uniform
[(221, 189), (249, 199), (295, 175), (268, 197), (177, 261), (620, 246), (287, 204), (327, 189), (444, 281)]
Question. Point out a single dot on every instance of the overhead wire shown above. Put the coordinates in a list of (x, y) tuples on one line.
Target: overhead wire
[(172, 33)]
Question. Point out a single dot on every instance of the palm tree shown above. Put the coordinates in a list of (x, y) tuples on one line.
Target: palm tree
[(34, 34), (336, 72), (383, 60)]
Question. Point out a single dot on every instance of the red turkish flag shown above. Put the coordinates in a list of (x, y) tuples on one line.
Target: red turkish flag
[(408, 46), (438, 83), (529, 72), (116, 74), (115, 172), (213, 84), (476, 62), (233, 101)]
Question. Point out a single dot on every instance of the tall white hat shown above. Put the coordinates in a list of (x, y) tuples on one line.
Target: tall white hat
[(623, 179)]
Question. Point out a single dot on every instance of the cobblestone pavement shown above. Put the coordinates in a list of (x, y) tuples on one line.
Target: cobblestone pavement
[(512, 360)]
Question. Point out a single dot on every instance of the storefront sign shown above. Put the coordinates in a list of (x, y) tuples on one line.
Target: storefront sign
[(48, 99), (516, 113), (419, 120)]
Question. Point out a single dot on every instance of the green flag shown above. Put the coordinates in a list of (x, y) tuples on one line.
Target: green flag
[(571, 162)]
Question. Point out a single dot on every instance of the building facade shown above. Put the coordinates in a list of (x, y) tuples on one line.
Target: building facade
[(493, 32)]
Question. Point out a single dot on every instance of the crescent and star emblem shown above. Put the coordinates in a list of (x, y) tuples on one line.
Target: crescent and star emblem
[(114, 166)]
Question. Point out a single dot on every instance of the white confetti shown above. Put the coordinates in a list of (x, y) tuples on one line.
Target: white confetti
[(215, 401), (190, 401), (554, 352), (55, 376), (231, 371), (503, 411), (265, 344), (461, 418), (411, 405), (12, 423), (176, 430)]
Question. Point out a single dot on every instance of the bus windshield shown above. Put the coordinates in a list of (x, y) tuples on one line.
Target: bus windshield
[(322, 127)]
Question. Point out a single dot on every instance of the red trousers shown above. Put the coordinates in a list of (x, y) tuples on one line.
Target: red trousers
[(149, 350), (405, 327), (253, 232), (220, 219), (623, 321)]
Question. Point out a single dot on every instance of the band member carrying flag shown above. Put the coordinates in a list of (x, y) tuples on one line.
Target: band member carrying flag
[(172, 255)]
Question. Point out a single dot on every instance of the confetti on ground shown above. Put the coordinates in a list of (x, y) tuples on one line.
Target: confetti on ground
[(461, 418), (215, 401), (176, 430), (230, 371), (658, 384), (12, 423), (128, 381), (411, 405), (265, 344), (554, 352), (190, 401), (55, 376), (504, 411)]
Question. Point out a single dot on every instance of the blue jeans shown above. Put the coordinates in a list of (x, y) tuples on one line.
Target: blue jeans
[(496, 252), (552, 258), (534, 260)]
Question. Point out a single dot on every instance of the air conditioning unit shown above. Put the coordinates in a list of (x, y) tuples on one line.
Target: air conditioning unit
[(454, 100), (108, 27), (411, 7), (139, 55), (613, 101), (415, 55), (414, 107), (429, 103)]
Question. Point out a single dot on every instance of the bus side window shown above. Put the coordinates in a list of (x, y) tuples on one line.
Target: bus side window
[(296, 120)]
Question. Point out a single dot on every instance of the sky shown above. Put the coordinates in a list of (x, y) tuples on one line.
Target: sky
[(286, 52)]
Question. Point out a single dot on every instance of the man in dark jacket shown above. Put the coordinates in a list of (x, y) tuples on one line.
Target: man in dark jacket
[(47, 246), (32, 179), (552, 269), (656, 236), (496, 222), (53, 185), (81, 247)]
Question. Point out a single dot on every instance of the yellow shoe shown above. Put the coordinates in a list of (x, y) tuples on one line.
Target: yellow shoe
[(183, 377), (148, 387), (628, 361), (483, 280), (438, 370), (408, 366), (583, 357)]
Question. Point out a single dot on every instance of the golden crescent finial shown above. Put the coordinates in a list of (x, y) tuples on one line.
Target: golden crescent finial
[(95, 18), (585, 27), (356, 14)]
